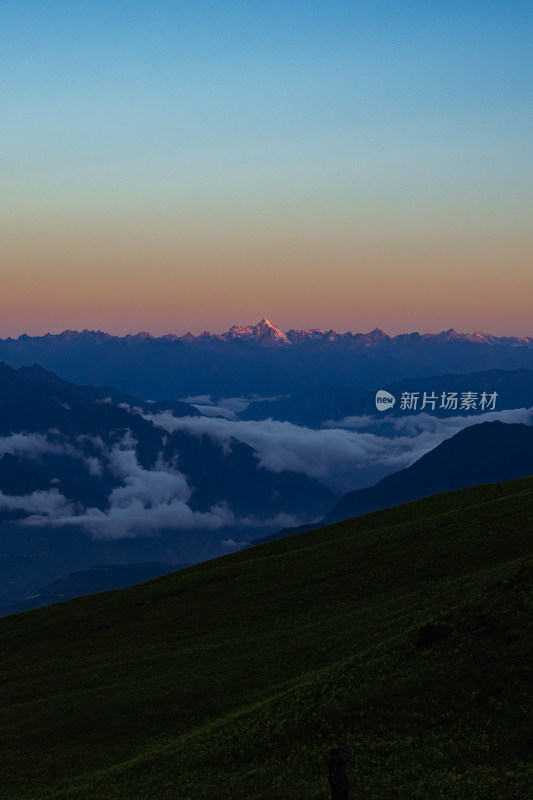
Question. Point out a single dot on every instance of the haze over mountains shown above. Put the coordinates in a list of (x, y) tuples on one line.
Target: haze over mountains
[(335, 406), (260, 359)]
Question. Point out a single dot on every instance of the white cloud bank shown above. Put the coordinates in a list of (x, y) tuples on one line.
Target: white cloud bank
[(147, 501), (333, 454)]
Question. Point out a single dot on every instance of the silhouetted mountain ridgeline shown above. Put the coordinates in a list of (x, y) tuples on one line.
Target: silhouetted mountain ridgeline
[(481, 454), (261, 359)]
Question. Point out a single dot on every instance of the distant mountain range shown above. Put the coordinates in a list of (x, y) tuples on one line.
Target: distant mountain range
[(261, 359), (316, 406), (266, 334)]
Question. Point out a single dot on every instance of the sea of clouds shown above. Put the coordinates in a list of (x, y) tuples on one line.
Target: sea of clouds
[(339, 455), (145, 501)]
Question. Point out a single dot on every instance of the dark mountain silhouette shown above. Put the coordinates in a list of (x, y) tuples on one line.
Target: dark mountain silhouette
[(231, 473), (487, 453), (260, 359), (34, 557), (17, 474), (104, 394), (75, 459), (35, 400), (310, 407), (317, 405), (218, 472), (514, 389)]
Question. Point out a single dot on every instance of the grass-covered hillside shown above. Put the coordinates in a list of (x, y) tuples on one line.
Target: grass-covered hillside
[(404, 634)]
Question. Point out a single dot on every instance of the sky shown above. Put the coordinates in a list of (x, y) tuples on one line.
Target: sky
[(189, 165)]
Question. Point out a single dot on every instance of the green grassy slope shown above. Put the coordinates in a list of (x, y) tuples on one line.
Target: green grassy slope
[(405, 634)]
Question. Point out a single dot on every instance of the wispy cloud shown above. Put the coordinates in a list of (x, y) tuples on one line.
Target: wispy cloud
[(203, 399), (34, 444), (146, 502), (215, 411), (233, 544), (228, 407), (44, 505)]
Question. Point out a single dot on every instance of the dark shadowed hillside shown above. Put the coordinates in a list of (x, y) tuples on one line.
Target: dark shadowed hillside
[(486, 453), (405, 634), (102, 578)]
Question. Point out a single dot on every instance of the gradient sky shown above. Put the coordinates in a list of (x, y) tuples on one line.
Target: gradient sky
[(173, 166)]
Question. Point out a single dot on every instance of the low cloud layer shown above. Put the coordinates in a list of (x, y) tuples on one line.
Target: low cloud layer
[(339, 457), (145, 501), (31, 445), (227, 407), (47, 505), (215, 411)]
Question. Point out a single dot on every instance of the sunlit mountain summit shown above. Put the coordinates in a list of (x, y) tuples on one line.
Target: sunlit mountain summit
[(264, 333)]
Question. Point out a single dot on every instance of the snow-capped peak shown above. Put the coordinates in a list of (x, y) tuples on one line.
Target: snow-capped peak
[(264, 333)]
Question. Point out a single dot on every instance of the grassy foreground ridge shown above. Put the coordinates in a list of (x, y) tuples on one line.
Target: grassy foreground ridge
[(405, 634)]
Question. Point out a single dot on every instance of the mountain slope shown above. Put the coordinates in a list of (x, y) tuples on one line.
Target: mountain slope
[(485, 453), (85, 480), (102, 578), (233, 678)]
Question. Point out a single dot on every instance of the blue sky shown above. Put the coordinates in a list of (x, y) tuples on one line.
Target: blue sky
[(265, 158)]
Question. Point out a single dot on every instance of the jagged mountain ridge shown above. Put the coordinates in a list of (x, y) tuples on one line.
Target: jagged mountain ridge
[(260, 359), (266, 334)]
